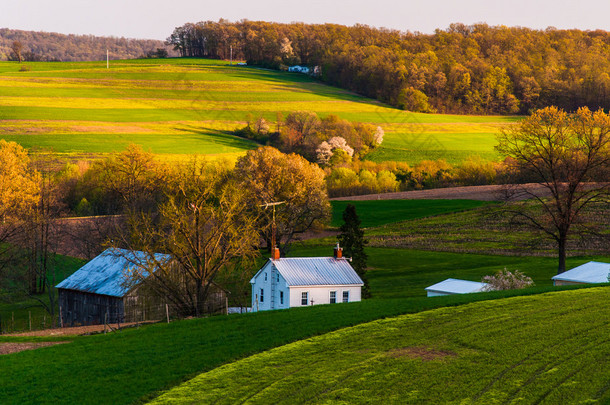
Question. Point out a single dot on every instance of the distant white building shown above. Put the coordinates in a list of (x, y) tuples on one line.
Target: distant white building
[(302, 281), (588, 273), (298, 69), (454, 286)]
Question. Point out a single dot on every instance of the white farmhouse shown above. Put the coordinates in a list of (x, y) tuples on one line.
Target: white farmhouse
[(592, 272), (302, 281), (452, 286)]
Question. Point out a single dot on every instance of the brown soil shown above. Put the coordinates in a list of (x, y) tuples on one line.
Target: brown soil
[(420, 352), (79, 330), (8, 348), (482, 193)]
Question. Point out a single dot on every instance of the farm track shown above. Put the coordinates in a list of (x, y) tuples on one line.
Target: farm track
[(480, 193)]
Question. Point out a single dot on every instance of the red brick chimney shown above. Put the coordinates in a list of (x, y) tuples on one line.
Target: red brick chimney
[(338, 252), (275, 253)]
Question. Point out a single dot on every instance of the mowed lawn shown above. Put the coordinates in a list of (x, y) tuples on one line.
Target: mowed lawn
[(550, 348), (182, 106)]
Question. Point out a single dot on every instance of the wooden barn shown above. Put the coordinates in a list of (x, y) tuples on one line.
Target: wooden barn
[(99, 292)]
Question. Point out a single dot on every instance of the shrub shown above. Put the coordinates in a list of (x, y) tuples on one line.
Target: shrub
[(506, 280)]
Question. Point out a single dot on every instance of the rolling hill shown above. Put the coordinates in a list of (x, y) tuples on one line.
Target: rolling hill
[(182, 106), (550, 348)]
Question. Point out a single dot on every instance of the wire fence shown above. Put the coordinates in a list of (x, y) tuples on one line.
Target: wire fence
[(129, 311)]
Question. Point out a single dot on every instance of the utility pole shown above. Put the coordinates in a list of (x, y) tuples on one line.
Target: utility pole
[(273, 227)]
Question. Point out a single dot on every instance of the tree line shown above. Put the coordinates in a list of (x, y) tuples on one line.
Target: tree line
[(51, 46), (463, 69), (209, 216)]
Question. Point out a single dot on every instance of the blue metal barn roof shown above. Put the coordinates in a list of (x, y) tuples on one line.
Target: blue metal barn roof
[(106, 274), (301, 271)]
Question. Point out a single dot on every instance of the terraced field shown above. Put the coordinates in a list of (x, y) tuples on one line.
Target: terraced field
[(183, 106)]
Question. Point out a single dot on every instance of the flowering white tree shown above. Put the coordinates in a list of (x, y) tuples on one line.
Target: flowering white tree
[(337, 142), (378, 136), (324, 153), (326, 150), (506, 280)]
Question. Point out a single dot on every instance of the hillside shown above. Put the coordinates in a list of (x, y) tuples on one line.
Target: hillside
[(60, 47), (550, 348), (134, 364), (184, 106)]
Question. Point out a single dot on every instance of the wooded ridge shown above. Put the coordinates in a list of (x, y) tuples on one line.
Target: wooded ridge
[(477, 68)]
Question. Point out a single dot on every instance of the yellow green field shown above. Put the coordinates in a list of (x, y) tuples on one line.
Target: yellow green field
[(185, 106)]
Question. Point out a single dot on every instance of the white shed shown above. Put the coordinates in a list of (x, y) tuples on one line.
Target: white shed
[(302, 281), (299, 69), (588, 273), (454, 286)]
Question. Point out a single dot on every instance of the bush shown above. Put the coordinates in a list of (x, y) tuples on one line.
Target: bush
[(505, 280)]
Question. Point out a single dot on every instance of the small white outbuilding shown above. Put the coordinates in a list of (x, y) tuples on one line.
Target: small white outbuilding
[(299, 69), (454, 286), (302, 281), (588, 273)]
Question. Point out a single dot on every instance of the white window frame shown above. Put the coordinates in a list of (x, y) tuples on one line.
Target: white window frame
[(345, 296), (332, 297), (305, 294)]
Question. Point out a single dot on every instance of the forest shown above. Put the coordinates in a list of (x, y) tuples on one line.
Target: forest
[(50, 46), (467, 69)]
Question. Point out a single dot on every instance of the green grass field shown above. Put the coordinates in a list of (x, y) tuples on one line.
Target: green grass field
[(550, 348), (137, 364), (181, 106), (133, 364), (376, 213)]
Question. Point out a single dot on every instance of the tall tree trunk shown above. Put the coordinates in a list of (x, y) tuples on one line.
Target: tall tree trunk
[(562, 241)]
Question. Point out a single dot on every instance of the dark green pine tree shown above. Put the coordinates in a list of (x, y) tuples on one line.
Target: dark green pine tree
[(352, 241)]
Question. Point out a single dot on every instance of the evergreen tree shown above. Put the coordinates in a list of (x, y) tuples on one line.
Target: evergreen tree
[(353, 242)]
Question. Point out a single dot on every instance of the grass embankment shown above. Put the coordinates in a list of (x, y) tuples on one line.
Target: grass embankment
[(550, 348), (184, 106), (122, 367), (402, 273), (489, 229), (381, 212)]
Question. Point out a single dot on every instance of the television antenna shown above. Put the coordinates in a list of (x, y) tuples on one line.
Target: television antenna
[(273, 226)]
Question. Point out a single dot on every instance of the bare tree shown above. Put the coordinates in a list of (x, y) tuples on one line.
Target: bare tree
[(205, 226), (17, 48), (569, 156)]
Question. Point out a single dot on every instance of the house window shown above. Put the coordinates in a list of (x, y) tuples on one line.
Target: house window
[(304, 298), (345, 296), (265, 276), (333, 297), (278, 277), (262, 295), (281, 297)]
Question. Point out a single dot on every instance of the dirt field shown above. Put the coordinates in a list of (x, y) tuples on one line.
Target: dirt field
[(8, 348), (481, 193), (79, 330)]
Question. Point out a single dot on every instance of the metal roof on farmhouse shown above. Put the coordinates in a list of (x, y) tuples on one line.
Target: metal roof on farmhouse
[(106, 274), (300, 271), (455, 286), (592, 272)]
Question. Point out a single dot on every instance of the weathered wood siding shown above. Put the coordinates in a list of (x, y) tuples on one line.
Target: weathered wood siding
[(82, 308)]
